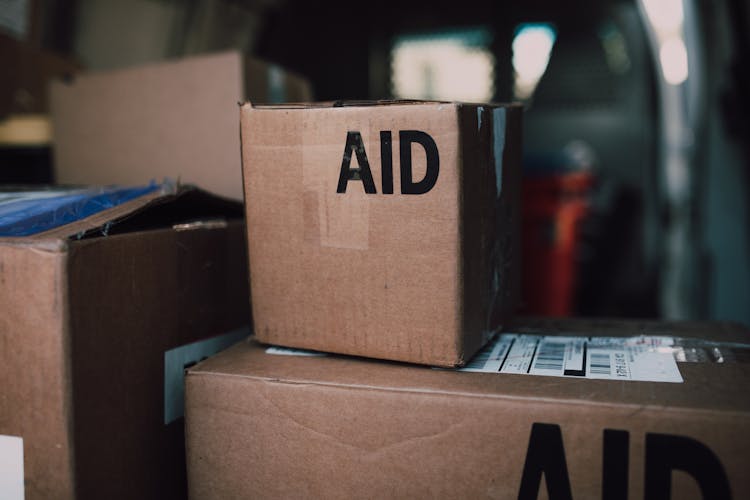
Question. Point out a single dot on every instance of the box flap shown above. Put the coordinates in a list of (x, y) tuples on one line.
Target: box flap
[(30, 212), (83, 212)]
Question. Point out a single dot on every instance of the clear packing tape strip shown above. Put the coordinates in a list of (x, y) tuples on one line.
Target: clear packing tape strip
[(638, 358), (683, 349), (687, 350)]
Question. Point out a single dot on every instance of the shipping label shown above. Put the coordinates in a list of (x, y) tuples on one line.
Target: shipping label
[(632, 358)]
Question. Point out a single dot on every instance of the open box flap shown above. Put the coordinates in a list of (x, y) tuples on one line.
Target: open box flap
[(84, 212)]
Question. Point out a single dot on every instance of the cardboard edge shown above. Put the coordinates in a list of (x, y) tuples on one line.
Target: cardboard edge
[(49, 244), (87, 75), (471, 129), (460, 344), (244, 202), (56, 239), (348, 104), (108, 215), (200, 372), (67, 363), (245, 109)]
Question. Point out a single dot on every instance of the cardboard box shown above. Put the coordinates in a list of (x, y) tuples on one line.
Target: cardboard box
[(174, 119), (90, 326), (269, 426), (386, 229)]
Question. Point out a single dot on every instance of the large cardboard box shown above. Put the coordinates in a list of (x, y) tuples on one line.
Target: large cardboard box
[(383, 229), (261, 425), (173, 119), (97, 320)]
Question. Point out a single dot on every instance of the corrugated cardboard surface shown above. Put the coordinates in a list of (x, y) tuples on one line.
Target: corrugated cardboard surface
[(393, 276), (35, 399), (83, 330), (265, 426), (175, 119)]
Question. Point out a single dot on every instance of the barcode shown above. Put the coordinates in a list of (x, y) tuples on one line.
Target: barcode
[(550, 357), (479, 360), (581, 357), (491, 358), (601, 364)]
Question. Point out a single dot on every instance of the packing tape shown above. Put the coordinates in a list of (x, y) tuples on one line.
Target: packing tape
[(501, 257), (498, 146), (687, 350), (331, 219)]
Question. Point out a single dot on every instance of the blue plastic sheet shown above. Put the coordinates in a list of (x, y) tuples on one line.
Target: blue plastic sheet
[(25, 213)]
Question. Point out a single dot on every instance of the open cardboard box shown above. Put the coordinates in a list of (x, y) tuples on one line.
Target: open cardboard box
[(94, 317)]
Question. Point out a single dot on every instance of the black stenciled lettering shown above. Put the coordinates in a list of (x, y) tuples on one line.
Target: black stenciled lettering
[(665, 453), (545, 454), (362, 172), (615, 465), (386, 161), (406, 138)]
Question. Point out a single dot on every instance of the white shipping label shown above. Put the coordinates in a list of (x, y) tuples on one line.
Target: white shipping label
[(177, 360), (11, 468), (632, 358)]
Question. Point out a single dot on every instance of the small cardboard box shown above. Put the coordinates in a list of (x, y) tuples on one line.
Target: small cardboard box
[(173, 119), (97, 320), (383, 229), (260, 425)]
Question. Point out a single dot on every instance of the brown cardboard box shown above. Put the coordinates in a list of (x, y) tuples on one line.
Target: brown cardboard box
[(384, 229), (89, 329), (266, 426), (174, 119)]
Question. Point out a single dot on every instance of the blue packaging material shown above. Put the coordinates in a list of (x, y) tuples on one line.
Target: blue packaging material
[(25, 213)]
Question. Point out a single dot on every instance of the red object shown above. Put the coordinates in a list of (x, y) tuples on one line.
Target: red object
[(554, 205)]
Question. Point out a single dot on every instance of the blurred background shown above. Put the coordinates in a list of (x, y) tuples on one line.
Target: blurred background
[(636, 155)]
